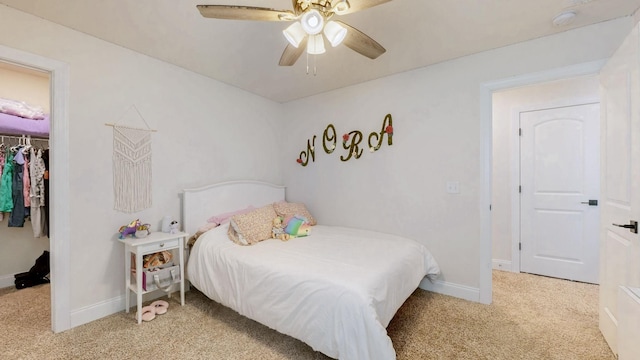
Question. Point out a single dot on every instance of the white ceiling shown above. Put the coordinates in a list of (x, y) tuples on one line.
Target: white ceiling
[(416, 33)]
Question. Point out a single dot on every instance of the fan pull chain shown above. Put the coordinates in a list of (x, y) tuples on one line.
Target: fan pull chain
[(315, 68)]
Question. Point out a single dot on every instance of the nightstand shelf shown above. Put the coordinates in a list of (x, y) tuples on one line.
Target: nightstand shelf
[(155, 242)]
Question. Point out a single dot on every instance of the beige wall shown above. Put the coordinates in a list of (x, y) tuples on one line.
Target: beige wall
[(18, 250), (25, 85)]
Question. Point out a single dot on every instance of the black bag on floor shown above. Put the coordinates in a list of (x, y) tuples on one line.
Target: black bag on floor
[(36, 275), (22, 282), (41, 267)]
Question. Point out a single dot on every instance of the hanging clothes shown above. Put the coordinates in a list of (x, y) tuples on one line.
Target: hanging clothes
[(23, 183), (6, 195), (26, 185), (2, 156), (45, 158), (37, 169), (16, 219)]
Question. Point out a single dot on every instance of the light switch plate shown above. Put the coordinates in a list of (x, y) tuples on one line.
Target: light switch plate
[(453, 187)]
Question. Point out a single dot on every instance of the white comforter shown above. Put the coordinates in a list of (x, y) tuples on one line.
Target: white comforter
[(336, 290)]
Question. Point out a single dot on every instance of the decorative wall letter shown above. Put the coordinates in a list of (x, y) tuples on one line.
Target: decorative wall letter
[(311, 152), (350, 142), (387, 128), (329, 137), (353, 148)]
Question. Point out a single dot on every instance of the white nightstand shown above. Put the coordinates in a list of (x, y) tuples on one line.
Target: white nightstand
[(156, 241)]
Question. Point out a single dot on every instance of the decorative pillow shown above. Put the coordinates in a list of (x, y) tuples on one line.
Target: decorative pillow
[(298, 226), (224, 218), (206, 227), (252, 227), (286, 209), (235, 237)]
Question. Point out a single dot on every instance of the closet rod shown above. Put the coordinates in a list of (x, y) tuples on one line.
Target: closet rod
[(12, 140), (20, 137)]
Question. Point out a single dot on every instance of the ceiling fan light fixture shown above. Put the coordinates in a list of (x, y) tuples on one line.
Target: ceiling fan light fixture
[(312, 22), (294, 34), (335, 33), (315, 45)]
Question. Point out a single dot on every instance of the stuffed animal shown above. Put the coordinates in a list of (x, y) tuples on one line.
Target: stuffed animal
[(173, 227), (156, 259), (143, 230), (129, 229), (277, 231), (297, 226)]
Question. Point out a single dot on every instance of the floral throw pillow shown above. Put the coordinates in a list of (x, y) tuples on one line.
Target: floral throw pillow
[(286, 209), (252, 227)]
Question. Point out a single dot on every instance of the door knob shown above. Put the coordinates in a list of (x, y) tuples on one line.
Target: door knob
[(632, 226), (590, 202)]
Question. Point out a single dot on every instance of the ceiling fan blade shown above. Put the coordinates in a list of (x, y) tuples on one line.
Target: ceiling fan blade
[(232, 12), (357, 5), (359, 42), (291, 53), (296, 7)]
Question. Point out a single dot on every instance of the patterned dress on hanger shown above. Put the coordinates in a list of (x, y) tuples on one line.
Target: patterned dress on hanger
[(37, 169)]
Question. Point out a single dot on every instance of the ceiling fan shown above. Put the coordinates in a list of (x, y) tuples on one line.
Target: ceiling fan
[(312, 19)]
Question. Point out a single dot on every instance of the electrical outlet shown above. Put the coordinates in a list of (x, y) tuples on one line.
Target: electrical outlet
[(453, 187)]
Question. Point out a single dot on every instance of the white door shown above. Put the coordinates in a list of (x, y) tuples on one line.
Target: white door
[(620, 195), (560, 180)]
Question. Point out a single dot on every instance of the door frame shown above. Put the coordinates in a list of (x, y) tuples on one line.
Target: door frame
[(59, 238), (486, 146)]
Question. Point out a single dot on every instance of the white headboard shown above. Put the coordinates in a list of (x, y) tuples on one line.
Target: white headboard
[(201, 203)]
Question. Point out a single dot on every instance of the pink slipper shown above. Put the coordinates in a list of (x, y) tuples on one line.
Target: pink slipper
[(160, 306), (148, 313)]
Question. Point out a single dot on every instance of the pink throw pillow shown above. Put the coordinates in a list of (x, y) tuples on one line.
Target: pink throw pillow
[(224, 218)]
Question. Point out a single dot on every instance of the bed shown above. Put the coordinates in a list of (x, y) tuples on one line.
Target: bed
[(336, 289)]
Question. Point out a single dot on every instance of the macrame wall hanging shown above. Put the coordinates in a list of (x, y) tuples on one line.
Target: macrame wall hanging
[(132, 166)]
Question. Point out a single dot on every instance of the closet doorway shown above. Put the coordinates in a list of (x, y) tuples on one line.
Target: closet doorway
[(25, 95), (59, 183)]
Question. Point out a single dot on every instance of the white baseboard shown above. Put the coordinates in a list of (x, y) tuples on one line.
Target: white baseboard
[(96, 311), (502, 265), (7, 281), (114, 305), (451, 289), (108, 307)]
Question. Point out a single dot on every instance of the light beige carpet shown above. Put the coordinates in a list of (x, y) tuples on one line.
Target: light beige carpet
[(532, 317)]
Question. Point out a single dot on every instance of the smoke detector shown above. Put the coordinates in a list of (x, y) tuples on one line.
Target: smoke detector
[(564, 18)]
